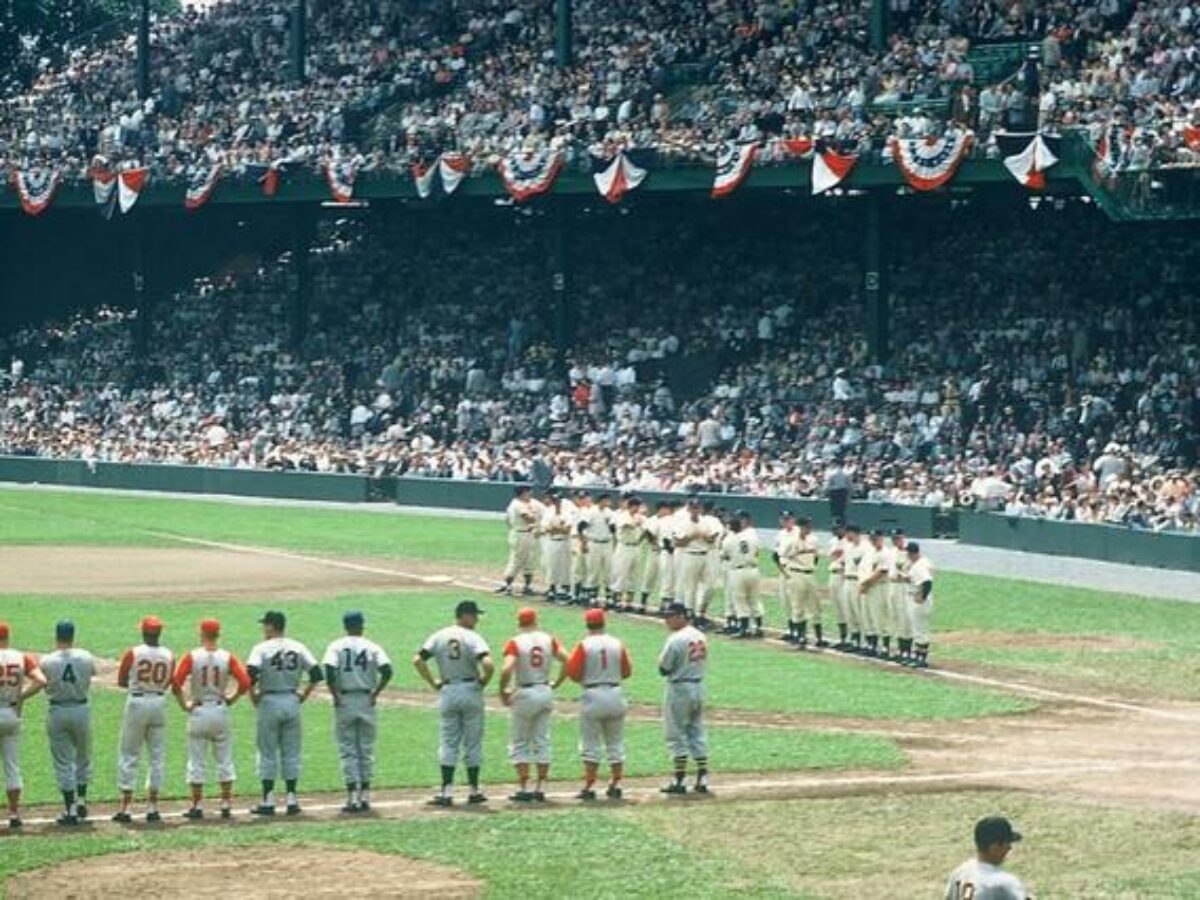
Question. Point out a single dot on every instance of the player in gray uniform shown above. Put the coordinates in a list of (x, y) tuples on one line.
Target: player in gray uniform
[(465, 667), (69, 672), (356, 672), (277, 667), (683, 662), (982, 878)]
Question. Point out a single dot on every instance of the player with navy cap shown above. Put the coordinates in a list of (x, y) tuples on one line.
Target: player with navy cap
[(69, 672), (982, 877)]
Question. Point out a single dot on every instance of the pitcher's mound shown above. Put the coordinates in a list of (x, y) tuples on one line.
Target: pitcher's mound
[(272, 871)]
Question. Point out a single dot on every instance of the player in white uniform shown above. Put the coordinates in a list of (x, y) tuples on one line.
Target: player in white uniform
[(201, 685), (145, 672), (277, 667), (556, 535), (600, 663), (882, 592), (527, 689), (584, 519), (691, 539), (660, 561), (69, 672), (356, 672), (982, 878), (629, 526), (600, 545), (522, 517), (920, 603), (740, 550), (898, 598), (872, 588), (465, 667), (853, 548), (714, 568), (20, 679), (837, 585), (684, 662)]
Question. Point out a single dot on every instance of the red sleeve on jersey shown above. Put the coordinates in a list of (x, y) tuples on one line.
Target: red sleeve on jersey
[(182, 672), (575, 663), (510, 649), (123, 671), (239, 674), (30, 664), (555, 647), (626, 665)]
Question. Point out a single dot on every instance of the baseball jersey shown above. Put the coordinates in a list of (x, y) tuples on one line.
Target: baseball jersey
[(901, 564), (521, 515), (458, 651), (713, 530), (280, 664), (69, 674), (797, 551), (148, 669), (975, 880), (597, 524), (836, 549), (555, 523), (599, 659), (687, 535), (684, 656), (357, 661), (887, 560), (629, 527), (868, 561), (919, 573), (740, 548), (207, 674), (15, 667), (533, 651), (852, 554)]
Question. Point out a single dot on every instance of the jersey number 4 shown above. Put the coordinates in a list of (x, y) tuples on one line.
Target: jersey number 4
[(352, 660)]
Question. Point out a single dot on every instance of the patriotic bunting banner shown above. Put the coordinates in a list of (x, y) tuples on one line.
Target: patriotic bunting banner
[(526, 175), (104, 187), (616, 177), (267, 175), (453, 168), (928, 163), (733, 165), (1191, 136), (423, 176), (830, 169), (1028, 156), (36, 189), (200, 187), (130, 184), (341, 176)]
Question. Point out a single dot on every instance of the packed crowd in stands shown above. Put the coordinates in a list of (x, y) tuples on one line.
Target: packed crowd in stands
[(391, 82), (1057, 375)]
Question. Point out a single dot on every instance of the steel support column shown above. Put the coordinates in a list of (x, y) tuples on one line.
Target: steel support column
[(875, 281)]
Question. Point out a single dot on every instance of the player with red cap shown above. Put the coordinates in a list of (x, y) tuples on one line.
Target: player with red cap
[(145, 673), (22, 679), (202, 684), (600, 662), (527, 659)]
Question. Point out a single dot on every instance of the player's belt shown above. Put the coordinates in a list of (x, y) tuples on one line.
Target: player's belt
[(530, 684), (213, 701), (686, 680), (280, 693), (596, 684), (68, 702), (558, 539), (630, 543), (747, 566), (850, 577), (463, 681), (356, 691), (146, 693), (696, 552), (594, 541), (523, 530), (800, 571)]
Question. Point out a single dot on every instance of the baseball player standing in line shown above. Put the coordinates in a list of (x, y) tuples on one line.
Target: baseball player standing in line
[(872, 587), (522, 518), (660, 561), (691, 556), (837, 584), (465, 667), (145, 673), (69, 672), (527, 658), (886, 620), (20, 679), (740, 551), (629, 525), (786, 542), (982, 878), (277, 666), (853, 549), (600, 541), (556, 533), (683, 662), (898, 598), (920, 603), (714, 568), (584, 522), (600, 663), (797, 560), (206, 673), (356, 672)]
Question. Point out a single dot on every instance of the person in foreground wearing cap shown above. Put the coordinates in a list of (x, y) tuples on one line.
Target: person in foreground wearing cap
[(24, 679), (920, 603), (356, 672), (600, 663), (277, 666), (69, 672), (206, 673), (465, 667), (527, 658), (740, 552), (684, 662), (145, 673), (982, 878)]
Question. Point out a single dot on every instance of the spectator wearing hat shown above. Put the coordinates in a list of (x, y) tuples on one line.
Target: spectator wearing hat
[(145, 674), (600, 662), (23, 680), (982, 877), (69, 671), (465, 667), (356, 672), (207, 682)]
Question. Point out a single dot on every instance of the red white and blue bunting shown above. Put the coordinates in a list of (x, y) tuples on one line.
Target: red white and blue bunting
[(130, 184), (527, 174), (200, 187), (36, 189), (341, 177), (616, 177), (928, 163), (449, 168), (734, 162), (1028, 156), (830, 169)]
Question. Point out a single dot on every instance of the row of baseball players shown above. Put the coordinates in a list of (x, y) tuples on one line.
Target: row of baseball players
[(881, 589), (280, 674)]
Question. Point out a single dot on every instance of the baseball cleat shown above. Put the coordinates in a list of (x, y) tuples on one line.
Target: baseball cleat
[(293, 809), (364, 806), (122, 818), (195, 814), (521, 797), (504, 589), (153, 816), (674, 788), (15, 823), (81, 811), (587, 794), (262, 810), (441, 801), (351, 808), (527, 592), (613, 792), (226, 813), (476, 797), (701, 787), (539, 797)]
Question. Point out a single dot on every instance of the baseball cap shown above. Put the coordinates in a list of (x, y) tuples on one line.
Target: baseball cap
[(274, 618), (594, 617), (353, 619), (877, 532), (526, 616), (897, 532), (468, 608), (804, 520), (850, 526), (64, 630), (913, 547), (522, 489), (4, 631), (787, 514), (210, 627), (675, 609), (994, 830), (151, 624)]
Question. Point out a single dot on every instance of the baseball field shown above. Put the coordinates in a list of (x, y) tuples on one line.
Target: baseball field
[(1074, 712)]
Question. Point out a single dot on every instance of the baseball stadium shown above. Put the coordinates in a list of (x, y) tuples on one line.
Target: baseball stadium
[(600, 448)]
